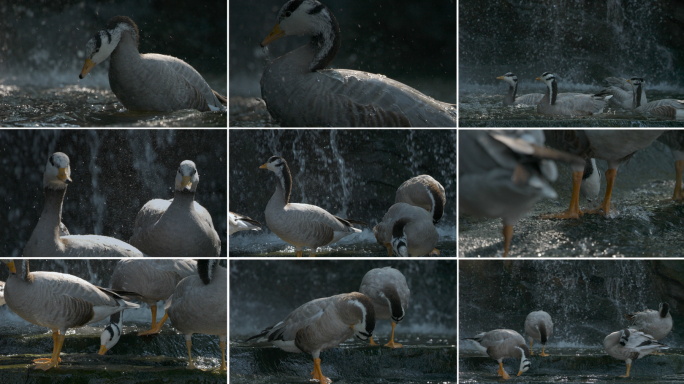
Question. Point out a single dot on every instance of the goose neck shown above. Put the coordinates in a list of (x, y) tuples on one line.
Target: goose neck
[(325, 44), (283, 188), (637, 97), (51, 216), (512, 91), (183, 199)]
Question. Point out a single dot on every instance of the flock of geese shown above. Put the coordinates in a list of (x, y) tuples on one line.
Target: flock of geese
[(326, 322), (629, 344), (502, 174), (407, 229), (616, 92), (194, 291)]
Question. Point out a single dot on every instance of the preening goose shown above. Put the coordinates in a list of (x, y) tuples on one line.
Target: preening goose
[(630, 345), (45, 241), (302, 225), (575, 104), (425, 192), (2, 293), (238, 222), (662, 108), (538, 326), (510, 99), (407, 230), (674, 139), (179, 227), (621, 91), (614, 146), (321, 324), (57, 301), (658, 323), (501, 344), (152, 280), (148, 82), (387, 289), (199, 305), (504, 173), (300, 92)]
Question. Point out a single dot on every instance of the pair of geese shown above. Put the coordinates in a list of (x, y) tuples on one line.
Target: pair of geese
[(408, 227), (326, 322), (59, 301), (502, 174), (629, 344), (617, 92)]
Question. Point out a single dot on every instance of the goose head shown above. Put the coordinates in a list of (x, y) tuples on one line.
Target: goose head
[(278, 165), (510, 78), (57, 173), (664, 309), (187, 177), (524, 362), (551, 85), (591, 181), (396, 310), (309, 17), (399, 240), (100, 46), (111, 334), (363, 313)]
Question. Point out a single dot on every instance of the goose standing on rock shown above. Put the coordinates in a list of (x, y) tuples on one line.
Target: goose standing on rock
[(302, 225), (45, 241), (321, 324), (576, 104), (387, 289), (630, 345), (501, 344), (238, 222), (538, 326), (179, 227), (658, 323), (661, 108), (407, 230), (674, 139), (153, 280), (58, 301), (510, 99), (299, 91), (148, 82), (425, 192)]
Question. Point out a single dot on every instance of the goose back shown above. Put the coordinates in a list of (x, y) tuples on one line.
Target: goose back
[(153, 279), (387, 289), (425, 192)]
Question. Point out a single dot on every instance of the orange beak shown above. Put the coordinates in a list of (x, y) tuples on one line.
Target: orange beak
[(275, 34), (86, 68)]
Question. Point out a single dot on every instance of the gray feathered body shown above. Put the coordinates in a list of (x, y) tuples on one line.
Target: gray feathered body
[(196, 307), (153, 279), (388, 290)]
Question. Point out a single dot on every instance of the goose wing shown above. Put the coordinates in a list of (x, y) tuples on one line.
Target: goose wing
[(239, 222), (95, 246)]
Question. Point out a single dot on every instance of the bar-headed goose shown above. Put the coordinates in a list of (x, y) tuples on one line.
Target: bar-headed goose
[(387, 289), (238, 222), (674, 139), (300, 92), (152, 280), (575, 104), (58, 301), (630, 345), (2, 293), (510, 99), (614, 146), (658, 323), (179, 227), (501, 344), (407, 230), (321, 324), (302, 225), (622, 92), (425, 192), (45, 241), (662, 108), (148, 82), (538, 326), (504, 173)]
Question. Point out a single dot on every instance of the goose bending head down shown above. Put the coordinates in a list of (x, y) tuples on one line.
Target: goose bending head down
[(501, 344), (299, 91), (630, 345), (302, 225), (568, 104), (147, 82), (387, 289)]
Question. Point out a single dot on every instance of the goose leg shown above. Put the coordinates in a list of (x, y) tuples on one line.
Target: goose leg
[(502, 373), (531, 351), (543, 354), (574, 211), (317, 374), (434, 252), (55, 341), (657, 353), (372, 343), (629, 365), (299, 253), (154, 323), (390, 251), (188, 344), (55, 355), (157, 328), (223, 356), (391, 343), (611, 174), (679, 169), (508, 235)]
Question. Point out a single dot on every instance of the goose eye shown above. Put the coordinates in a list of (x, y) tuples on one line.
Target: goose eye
[(194, 171), (288, 14)]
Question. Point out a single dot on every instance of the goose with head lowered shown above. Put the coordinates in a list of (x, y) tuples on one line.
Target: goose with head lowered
[(387, 289), (45, 241), (511, 99), (501, 344), (658, 323), (302, 225), (568, 104), (407, 230), (147, 82), (299, 91), (630, 345)]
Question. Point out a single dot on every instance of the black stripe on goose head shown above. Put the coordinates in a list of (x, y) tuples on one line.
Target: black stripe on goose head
[(327, 43), (399, 240), (437, 203), (637, 86), (283, 172), (116, 20), (205, 270), (397, 311), (664, 309)]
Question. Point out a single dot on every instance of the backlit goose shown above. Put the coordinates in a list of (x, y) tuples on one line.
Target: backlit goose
[(425, 192), (502, 344), (238, 222), (614, 146), (153, 280), (630, 345), (674, 139), (45, 241), (387, 289), (199, 305), (302, 225), (179, 227), (510, 99), (662, 108), (622, 92), (538, 326), (576, 104), (504, 173), (57, 301), (321, 324), (299, 91), (658, 323), (407, 230), (148, 82)]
